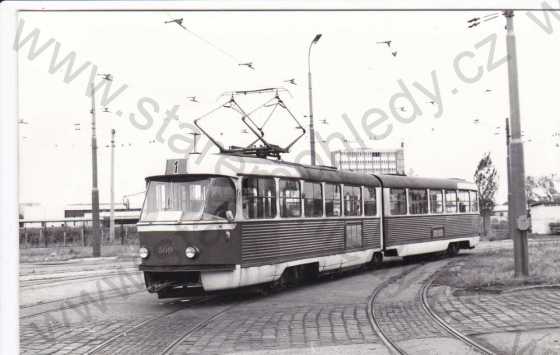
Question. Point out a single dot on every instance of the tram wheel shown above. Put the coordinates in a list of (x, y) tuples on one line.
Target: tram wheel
[(452, 250), (376, 260)]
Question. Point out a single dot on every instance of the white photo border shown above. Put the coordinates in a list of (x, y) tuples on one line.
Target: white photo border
[(9, 240)]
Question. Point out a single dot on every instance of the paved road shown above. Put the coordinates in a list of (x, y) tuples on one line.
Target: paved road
[(99, 310), (329, 314), (51, 281)]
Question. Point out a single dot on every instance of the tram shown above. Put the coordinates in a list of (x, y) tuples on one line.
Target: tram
[(227, 221)]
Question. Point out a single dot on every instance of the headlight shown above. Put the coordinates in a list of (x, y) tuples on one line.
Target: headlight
[(191, 252), (143, 252)]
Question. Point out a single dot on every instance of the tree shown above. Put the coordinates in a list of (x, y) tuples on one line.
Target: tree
[(530, 190), (486, 179), (540, 189), (546, 183)]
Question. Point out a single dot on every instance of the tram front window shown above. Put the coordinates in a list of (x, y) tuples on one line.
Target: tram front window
[(193, 200)]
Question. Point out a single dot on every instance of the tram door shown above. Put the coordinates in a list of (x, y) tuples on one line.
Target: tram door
[(352, 200)]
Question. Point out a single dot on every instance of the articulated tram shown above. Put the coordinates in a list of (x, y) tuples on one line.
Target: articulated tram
[(223, 222)]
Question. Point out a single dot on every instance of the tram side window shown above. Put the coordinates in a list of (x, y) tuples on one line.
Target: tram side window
[(313, 199), (352, 200), (290, 198), (451, 201), (474, 201), (259, 197), (436, 201), (464, 201), (332, 200), (370, 201), (418, 201), (398, 202)]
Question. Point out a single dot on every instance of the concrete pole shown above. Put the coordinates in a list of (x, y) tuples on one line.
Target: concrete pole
[(517, 207), (112, 218), (311, 125), (511, 221), (96, 241)]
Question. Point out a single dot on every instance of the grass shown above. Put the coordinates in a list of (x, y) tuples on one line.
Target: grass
[(494, 269), (29, 255)]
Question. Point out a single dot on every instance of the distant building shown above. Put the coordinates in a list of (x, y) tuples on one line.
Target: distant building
[(370, 161), (542, 215), (81, 209), (31, 210), (500, 213), (123, 214)]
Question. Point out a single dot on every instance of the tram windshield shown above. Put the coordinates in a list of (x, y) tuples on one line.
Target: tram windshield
[(192, 200)]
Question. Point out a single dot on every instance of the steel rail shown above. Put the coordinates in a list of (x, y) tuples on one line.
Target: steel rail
[(54, 281), (109, 294), (390, 344), (451, 330), (106, 343), (198, 326)]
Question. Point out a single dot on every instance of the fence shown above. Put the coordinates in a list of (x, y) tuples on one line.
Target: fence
[(74, 235)]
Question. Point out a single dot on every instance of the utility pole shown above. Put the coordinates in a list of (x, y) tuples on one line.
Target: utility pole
[(517, 206), (511, 221), (96, 240), (311, 126), (112, 220)]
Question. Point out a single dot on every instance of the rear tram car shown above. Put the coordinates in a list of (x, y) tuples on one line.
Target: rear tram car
[(227, 221)]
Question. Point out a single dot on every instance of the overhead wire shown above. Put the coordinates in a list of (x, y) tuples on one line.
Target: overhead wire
[(221, 50)]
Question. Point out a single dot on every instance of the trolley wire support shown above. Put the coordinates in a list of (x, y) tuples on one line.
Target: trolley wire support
[(267, 148)]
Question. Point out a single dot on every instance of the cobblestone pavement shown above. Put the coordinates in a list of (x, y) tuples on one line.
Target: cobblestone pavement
[(279, 327), (400, 315), (57, 337), (406, 320), (330, 314), (324, 314), (476, 314)]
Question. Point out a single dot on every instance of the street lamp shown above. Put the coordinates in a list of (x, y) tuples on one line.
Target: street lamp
[(311, 128)]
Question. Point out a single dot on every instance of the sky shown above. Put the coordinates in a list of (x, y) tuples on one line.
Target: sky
[(352, 74)]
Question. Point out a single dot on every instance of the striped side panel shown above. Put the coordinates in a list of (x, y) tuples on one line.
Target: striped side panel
[(414, 229), (278, 241), (372, 239)]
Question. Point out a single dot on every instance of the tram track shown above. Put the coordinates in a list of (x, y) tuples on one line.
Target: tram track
[(448, 328), (57, 280), (104, 346), (109, 294), (389, 343), (198, 326), (99, 295), (421, 297)]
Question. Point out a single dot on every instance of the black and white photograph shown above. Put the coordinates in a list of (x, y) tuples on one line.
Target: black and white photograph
[(280, 177)]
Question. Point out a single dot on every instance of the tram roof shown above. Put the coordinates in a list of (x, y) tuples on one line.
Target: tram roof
[(425, 183), (234, 165)]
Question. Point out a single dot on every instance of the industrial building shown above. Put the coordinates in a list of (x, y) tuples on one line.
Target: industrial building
[(545, 215)]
